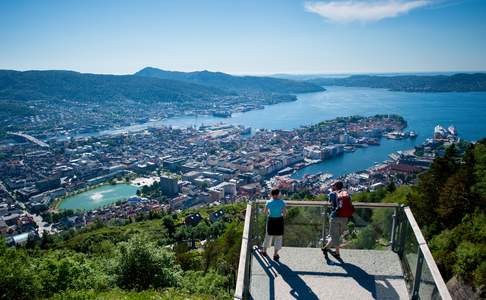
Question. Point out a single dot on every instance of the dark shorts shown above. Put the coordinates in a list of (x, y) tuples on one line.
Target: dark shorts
[(275, 226)]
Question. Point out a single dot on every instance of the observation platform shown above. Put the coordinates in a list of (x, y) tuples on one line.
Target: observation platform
[(304, 273), (384, 256)]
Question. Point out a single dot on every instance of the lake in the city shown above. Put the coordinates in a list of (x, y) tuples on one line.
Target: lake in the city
[(467, 111), (99, 197)]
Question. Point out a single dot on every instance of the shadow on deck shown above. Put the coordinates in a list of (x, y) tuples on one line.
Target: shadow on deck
[(304, 273)]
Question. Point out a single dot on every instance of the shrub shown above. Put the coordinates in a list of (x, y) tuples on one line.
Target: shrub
[(209, 283), (18, 278), (469, 257), (365, 238), (140, 264)]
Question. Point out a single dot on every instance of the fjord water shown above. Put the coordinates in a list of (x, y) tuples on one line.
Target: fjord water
[(467, 111), (99, 197)]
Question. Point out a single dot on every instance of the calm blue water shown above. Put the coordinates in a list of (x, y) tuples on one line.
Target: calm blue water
[(467, 111), (99, 197)]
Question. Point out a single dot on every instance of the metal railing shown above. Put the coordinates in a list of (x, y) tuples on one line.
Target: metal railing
[(387, 226), (243, 279), (422, 275)]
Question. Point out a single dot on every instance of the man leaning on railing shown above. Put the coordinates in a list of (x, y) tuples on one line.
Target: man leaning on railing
[(341, 210)]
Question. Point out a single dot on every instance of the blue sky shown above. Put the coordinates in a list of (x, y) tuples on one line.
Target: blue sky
[(244, 37)]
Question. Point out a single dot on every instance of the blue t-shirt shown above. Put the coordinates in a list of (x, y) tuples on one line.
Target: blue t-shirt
[(275, 208)]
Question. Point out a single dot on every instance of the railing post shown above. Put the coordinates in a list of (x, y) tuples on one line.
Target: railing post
[(259, 233), (393, 229), (324, 221), (418, 275), (402, 232)]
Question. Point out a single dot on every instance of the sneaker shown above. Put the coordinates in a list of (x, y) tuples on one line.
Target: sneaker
[(276, 257), (264, 253), (336, 255)]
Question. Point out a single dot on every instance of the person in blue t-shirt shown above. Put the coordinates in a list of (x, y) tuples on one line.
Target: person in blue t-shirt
[(275, 211)]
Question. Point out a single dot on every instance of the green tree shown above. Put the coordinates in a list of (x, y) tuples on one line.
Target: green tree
[(18, 276), (65, 270), (391, 187), (168, 222), (455, 199), (140, 264)]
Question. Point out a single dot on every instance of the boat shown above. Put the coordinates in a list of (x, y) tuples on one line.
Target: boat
[(373, 142), (452, 130), (349, 149), (299, 166), (412, 134), (325, 176), (222, 114), (395, 135)]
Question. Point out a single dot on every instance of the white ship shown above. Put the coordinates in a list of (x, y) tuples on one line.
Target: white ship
[(452, 130)]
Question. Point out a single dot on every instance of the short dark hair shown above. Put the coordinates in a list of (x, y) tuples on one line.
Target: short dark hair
[(275, 192), (338, 185)]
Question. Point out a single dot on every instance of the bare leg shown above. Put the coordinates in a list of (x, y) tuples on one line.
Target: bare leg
[(266, 243), (277, 245)]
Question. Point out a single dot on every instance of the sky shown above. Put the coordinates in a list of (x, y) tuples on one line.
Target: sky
[(244, 37)]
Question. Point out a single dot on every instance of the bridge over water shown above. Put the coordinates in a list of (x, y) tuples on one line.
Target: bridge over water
[(30, 139), (397, 264)]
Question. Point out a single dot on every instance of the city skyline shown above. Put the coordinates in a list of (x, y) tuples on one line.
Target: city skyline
[(246, 37)]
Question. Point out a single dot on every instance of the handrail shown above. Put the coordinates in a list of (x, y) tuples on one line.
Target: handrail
[(244, 257), (326, 203), (427, 255)]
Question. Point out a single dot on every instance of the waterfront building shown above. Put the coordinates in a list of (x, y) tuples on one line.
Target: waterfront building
[(313, 152)]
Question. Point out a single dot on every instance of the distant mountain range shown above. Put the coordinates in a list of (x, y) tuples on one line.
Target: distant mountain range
[(58, 85), (238, 84), (147, 85), (411, 83)]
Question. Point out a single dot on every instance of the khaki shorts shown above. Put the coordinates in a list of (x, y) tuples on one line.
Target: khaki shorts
[(336, 229)]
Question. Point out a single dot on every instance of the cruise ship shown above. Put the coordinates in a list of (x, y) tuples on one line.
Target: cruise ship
[(452, 130)]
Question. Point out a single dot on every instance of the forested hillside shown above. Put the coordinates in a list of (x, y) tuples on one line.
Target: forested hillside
[(449, 203), (58, 85), (412, 83), (150, 258), (245, 84)]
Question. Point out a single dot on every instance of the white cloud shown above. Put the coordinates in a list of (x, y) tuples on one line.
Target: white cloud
[(347, 11)]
